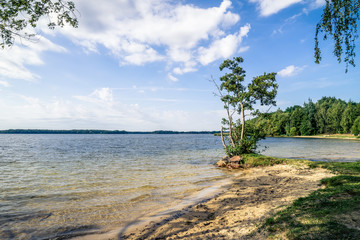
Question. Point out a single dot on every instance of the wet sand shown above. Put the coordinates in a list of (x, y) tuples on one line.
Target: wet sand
[(254, 195)]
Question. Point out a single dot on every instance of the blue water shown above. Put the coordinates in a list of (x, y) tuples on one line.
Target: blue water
[(63, 185), (312, 149)]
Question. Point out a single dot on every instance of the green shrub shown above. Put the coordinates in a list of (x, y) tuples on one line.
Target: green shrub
[(356, 126), (293, 131), (245, 146)]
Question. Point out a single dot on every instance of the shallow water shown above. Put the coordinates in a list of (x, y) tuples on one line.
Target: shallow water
[(55, 185), (64, 185), (312, 149)]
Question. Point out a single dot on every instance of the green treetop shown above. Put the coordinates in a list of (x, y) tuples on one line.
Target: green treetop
[(238, 97)]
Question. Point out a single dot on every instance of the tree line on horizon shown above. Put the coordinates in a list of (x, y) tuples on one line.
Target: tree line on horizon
[(97, 131), (328, 115)]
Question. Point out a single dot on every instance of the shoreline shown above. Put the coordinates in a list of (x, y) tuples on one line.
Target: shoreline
[(235, 213), (164, 214), (325, 136)]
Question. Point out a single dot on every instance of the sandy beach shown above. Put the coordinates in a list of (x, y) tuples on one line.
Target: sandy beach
[(253, 196)]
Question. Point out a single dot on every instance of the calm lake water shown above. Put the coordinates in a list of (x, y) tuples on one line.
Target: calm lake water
[(312, 149), (53, 186)]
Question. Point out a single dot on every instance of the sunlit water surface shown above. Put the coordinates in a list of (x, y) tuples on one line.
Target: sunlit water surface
[(62, 185), (312, 149), (55, 186)]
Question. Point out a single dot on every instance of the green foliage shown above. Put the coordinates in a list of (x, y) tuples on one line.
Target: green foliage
[(293, 131), (16, 15), (253, 133), (356, 127), (243, 147), (348, 117), (339, 21), (334, 115), (349, 168), (237, 98), (327, 116)]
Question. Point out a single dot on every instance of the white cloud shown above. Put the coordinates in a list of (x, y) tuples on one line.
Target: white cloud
[(189, 66), (318, 3), (290, 71), (100, 108), (172, 78), (222, 48), (269, 7), (102, 95), (14, 60), (243, 49), (4, 84), (139, 32)]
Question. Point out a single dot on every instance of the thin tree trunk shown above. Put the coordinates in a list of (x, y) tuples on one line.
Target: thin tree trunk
[(222, 138), (243, 120), (230, 128)]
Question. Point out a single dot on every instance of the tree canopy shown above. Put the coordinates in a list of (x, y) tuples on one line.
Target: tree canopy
[(329, 115), (339, 21), (237, 98), (16, 16)]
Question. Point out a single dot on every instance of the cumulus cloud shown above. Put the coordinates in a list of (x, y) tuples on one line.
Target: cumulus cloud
[(269, 7), (290, 71), (139, 32), (222, 48)]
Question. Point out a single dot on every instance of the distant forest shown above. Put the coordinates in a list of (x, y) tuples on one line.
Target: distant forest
[(81, 131), (329, 115)]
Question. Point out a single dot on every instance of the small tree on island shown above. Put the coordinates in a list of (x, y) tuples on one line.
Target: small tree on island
[(238, 98)]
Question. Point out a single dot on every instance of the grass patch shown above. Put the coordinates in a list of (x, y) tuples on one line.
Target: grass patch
[(329, 213), (348, 168), (257, 160)]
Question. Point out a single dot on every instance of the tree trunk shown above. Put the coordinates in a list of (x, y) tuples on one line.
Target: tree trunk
[(243, 120), (230, 128), (222, 138)]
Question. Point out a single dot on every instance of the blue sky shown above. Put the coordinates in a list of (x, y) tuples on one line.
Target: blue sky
[(146, 64)]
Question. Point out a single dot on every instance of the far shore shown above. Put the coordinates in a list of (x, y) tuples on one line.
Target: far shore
[(322, 136), (255, 194), (327, 136)]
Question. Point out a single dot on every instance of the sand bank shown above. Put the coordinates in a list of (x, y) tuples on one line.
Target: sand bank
[(254, 195)]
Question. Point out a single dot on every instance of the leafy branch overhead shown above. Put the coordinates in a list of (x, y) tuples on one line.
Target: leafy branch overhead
[(16, 16), (339, 21)]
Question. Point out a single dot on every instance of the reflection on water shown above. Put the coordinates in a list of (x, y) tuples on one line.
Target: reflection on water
[(63, 185), (312, 149)]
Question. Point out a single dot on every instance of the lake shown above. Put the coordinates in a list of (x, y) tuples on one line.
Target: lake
[(55, 186), (312, 149)]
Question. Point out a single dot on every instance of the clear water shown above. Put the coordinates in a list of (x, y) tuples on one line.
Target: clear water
[(55, 186), (59, 185), (312, 149)]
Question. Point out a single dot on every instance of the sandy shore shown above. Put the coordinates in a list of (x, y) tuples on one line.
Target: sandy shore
[(331, 136), (254, 195)]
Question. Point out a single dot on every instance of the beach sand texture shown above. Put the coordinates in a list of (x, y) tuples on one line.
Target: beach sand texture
[(235, 214)]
